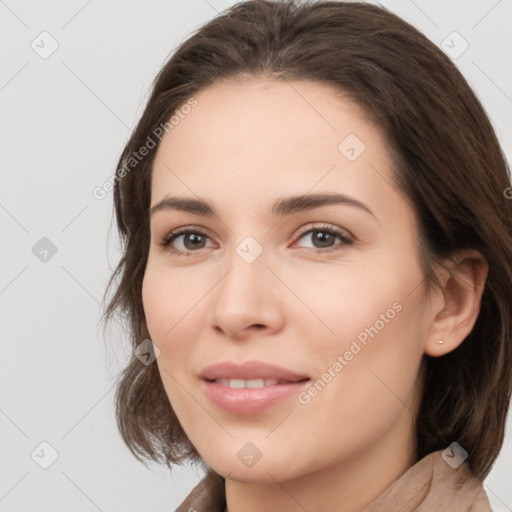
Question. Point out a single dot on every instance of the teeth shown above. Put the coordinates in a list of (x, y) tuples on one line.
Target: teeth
[(251, 383), (237, 383)]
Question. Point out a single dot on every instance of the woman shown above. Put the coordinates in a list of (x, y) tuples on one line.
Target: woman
[(316, 268)]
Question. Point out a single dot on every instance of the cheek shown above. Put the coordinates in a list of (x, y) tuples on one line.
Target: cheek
[(375, 355), (174, 310), (347, 303), (376, 376), (169, 299), (165, 309)]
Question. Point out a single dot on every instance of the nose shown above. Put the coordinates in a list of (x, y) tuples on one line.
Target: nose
[(245, 301)]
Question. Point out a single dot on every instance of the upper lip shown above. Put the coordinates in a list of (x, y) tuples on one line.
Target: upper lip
[(250, 370)]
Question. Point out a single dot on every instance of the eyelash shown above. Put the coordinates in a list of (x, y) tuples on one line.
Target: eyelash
[(165, 242)]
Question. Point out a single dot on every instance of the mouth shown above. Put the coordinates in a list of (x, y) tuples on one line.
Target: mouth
[(251, 387)]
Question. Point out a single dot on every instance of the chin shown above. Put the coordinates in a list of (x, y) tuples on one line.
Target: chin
[(245, 463)]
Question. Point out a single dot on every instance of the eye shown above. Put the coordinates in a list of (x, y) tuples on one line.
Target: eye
[(324, 236), (193, 240)]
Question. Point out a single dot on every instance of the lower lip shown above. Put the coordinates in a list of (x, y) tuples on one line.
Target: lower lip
[(249, 400)]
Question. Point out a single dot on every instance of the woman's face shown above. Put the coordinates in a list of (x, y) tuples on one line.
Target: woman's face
[(331, 292)]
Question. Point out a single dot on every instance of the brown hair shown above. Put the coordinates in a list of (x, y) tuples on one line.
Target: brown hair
[(449, 165)]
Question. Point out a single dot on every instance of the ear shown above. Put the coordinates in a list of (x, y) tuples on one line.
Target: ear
[(456, 304)]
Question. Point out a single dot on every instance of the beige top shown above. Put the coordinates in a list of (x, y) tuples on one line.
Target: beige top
[(431, 485)]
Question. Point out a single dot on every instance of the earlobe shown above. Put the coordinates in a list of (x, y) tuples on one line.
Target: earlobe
[(459, 301)]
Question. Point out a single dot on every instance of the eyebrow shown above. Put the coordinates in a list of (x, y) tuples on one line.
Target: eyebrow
[(283, 206)]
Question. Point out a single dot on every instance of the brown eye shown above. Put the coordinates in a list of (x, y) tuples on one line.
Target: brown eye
[(191, 241), (324, 238)]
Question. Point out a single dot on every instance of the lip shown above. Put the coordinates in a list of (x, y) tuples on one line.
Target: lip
[(250, 400)]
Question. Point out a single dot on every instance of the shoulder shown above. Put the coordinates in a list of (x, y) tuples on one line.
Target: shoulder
[(434, 483)]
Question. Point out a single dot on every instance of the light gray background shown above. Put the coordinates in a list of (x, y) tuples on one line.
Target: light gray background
[(64, 122)]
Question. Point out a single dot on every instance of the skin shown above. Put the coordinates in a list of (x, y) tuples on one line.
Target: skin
[(244, 145)]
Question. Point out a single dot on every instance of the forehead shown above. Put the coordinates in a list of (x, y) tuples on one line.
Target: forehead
[(258, 138)]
